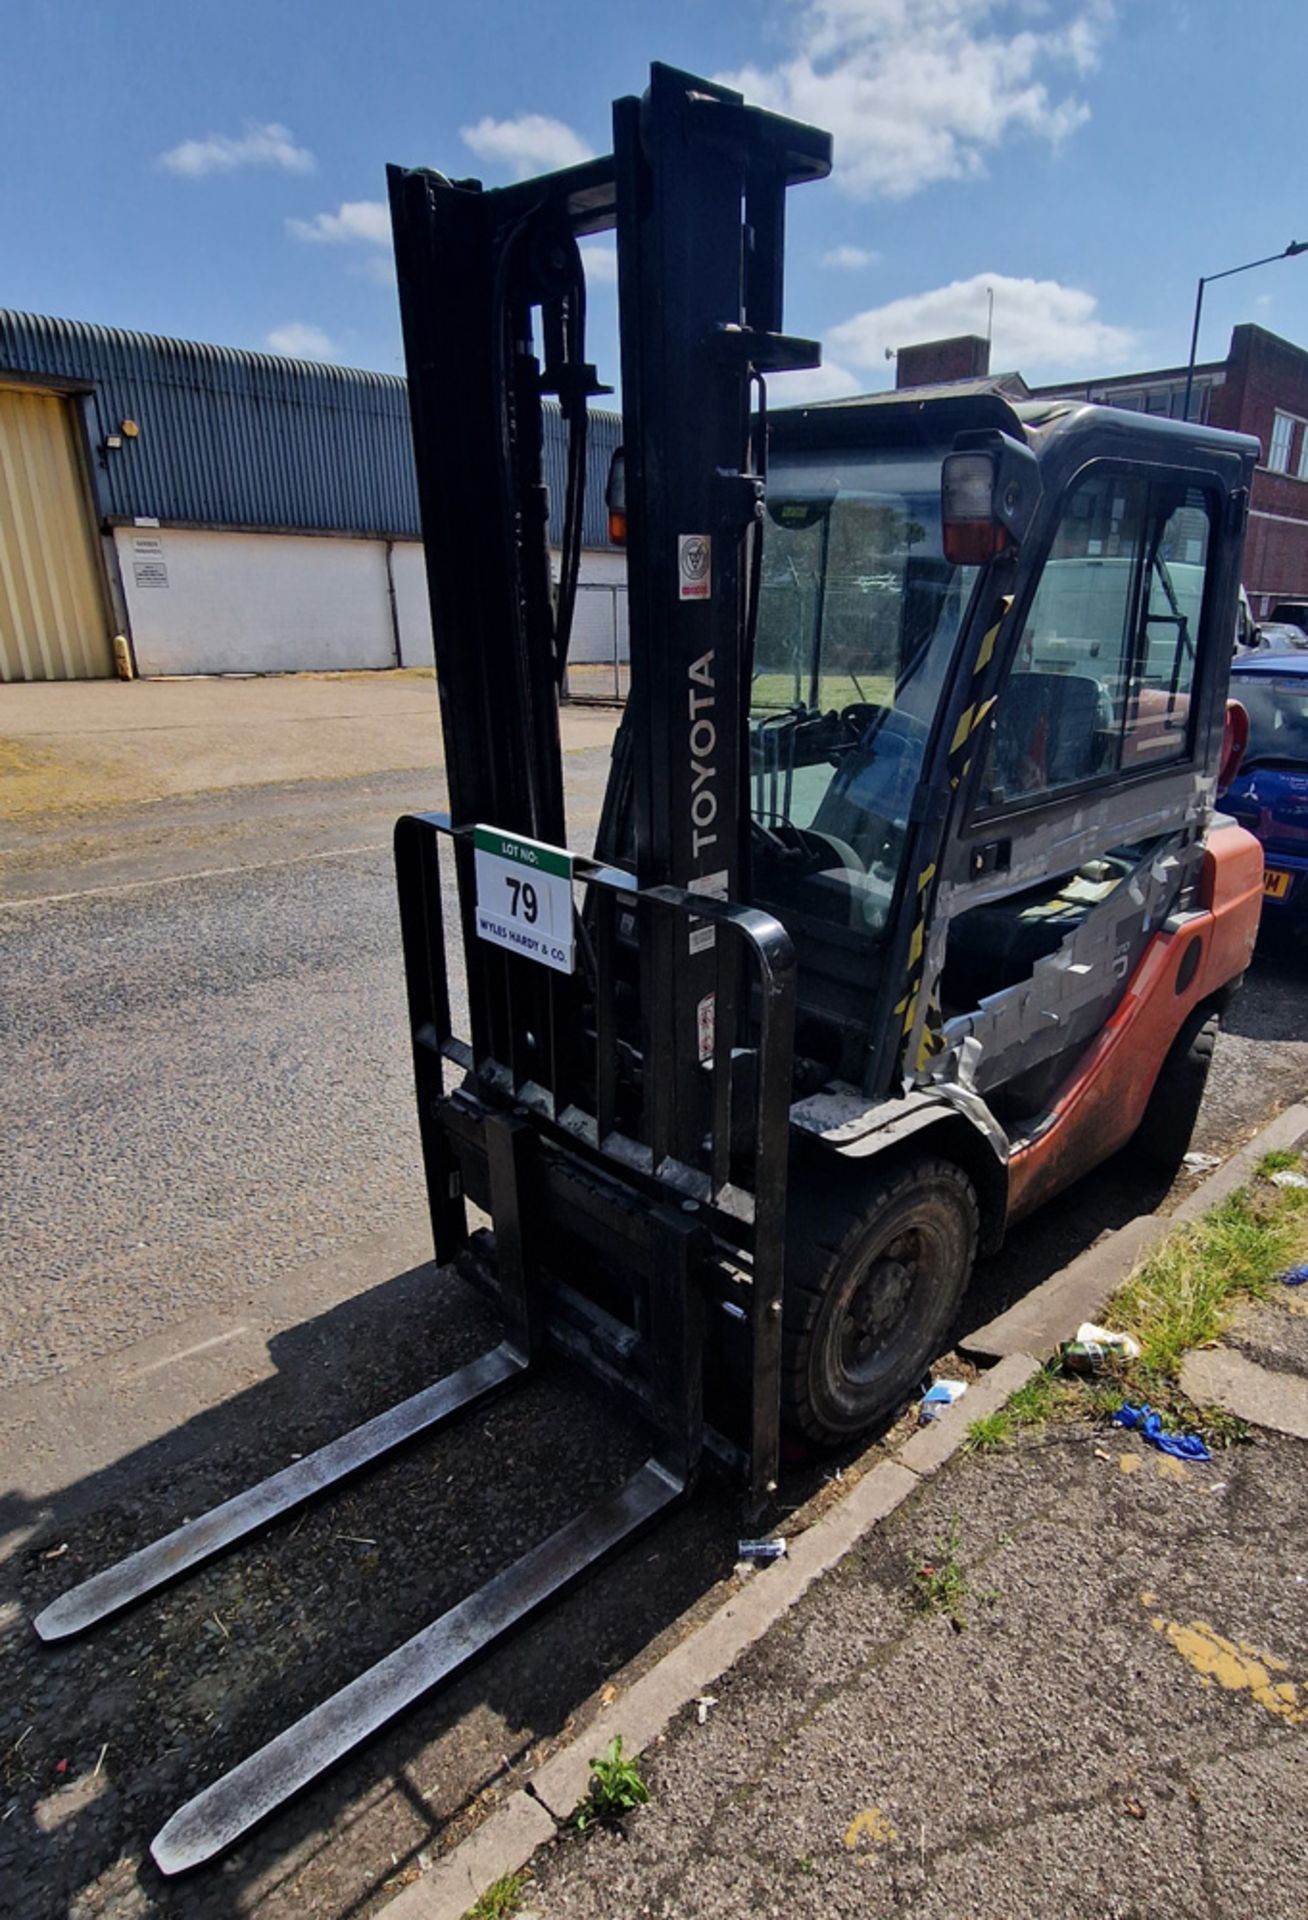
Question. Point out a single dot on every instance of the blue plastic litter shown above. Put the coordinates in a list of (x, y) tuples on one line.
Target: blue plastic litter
[(1293, 1276), (936, 1398), (1181, 1446)]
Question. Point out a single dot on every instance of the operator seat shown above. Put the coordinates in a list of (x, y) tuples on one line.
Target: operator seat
[(1049, 733)]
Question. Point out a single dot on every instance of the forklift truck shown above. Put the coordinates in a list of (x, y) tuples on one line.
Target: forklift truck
[(909, 903)]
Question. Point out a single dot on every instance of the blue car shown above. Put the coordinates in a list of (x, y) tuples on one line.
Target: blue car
[(1270, 794)]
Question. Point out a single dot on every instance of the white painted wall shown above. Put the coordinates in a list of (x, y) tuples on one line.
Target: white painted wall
[(216, 602), (254, 602)]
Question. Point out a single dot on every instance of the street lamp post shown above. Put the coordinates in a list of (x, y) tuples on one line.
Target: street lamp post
[(1288, 253)]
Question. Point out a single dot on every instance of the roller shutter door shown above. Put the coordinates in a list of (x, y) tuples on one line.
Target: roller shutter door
[(53, 624)]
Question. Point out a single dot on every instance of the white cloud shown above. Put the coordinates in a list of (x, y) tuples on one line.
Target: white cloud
[(366, 220), (379, 268), (830, 381), (1040, 326), (531, 143), (302, 341), (261, 145), (849, 259), (600, 258), (917, 91)]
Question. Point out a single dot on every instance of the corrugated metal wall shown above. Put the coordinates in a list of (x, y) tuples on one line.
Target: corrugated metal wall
[(53, 622), (235, 439)]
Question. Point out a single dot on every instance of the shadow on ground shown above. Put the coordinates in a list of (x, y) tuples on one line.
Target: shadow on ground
[(102, 1739)]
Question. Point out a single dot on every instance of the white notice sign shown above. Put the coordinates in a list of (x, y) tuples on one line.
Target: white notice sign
[(524, 897)]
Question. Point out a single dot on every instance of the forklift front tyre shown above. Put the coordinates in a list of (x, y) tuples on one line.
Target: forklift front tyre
[(875, 1270), (1162, 1139)]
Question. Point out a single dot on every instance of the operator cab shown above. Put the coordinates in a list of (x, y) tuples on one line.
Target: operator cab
[(1080, 629)]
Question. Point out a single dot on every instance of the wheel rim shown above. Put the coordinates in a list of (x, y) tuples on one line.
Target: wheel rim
[(879, 1305)]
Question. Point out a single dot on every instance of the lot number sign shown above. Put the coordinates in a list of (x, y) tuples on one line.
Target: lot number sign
[(524, 897)]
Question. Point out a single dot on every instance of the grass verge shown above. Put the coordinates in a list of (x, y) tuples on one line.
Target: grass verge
[(1279, 1160), (1181, 1296), (1047, 1395), (1183, 1292)]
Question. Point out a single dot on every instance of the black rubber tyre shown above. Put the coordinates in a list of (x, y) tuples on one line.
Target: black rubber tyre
[(875, 1270), (1162, 1139)]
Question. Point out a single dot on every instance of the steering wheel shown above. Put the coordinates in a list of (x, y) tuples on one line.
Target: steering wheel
[(807, 848)]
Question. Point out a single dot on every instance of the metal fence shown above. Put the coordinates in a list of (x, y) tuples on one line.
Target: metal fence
[(599, 656)]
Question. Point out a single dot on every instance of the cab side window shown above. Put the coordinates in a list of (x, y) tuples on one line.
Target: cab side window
[(1104, 670)]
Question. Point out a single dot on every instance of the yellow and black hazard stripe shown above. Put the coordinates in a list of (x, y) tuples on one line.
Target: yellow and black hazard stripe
[(907, 1007), (957, 762)]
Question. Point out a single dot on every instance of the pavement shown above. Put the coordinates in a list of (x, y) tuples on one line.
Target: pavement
[(1116, 1726), (217, 1257)]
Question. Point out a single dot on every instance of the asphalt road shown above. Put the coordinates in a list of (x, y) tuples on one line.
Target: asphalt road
[(213, 1221), (1095, 1738)]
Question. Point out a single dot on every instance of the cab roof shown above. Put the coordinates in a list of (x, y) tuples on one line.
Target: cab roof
[(935, 415)]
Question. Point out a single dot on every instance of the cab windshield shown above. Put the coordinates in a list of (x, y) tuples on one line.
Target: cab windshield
[(859, 617)]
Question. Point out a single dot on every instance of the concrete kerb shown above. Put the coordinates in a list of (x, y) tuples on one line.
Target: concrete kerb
[(1079, 1291), (1287, 1130), (506, 1840)]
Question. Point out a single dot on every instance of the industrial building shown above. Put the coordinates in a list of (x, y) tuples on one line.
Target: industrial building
[(228, 512)]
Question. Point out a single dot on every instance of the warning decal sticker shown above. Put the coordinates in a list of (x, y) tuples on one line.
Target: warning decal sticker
[(694, 566)]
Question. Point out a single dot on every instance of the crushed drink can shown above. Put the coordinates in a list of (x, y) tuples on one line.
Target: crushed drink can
[(1086, 1357)]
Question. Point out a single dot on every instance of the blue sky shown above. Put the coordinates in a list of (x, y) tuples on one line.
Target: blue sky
[(217, 171)]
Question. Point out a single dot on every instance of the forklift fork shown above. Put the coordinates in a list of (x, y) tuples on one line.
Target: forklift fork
[(239, 1799), (226, 1810), (189, 1546)]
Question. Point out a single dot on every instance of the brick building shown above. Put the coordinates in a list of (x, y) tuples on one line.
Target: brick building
[(1261, 388)]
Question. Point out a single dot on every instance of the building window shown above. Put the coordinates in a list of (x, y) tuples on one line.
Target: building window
[(1303, 456), (1278, 453)]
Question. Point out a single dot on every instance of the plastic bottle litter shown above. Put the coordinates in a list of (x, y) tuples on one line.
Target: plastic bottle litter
[(1096, 1348), (1292, 1277), (1288, 1177), (1201, 1162), (942, 1393), (1181, 1446)]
